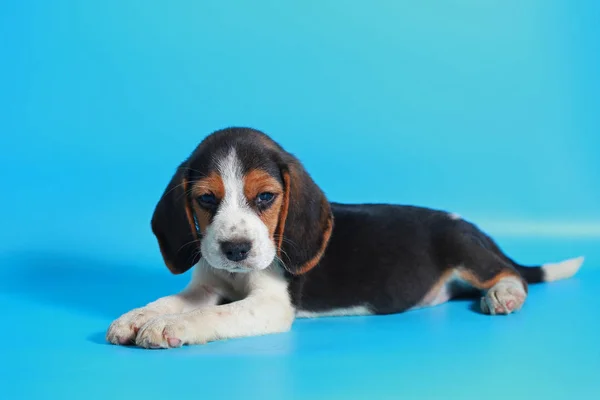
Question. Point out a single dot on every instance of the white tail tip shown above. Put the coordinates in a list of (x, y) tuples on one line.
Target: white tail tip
[(562, 270)]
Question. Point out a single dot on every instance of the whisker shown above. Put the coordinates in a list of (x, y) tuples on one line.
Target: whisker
[(284, 253), (195, 255), (190, 242), (285, 240), (282, 264)]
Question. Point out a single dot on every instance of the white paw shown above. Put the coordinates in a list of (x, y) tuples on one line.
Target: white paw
[(504, 297), (164, 332), (125, 329)]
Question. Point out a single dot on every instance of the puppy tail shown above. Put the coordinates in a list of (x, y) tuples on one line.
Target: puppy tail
[(550, 272)]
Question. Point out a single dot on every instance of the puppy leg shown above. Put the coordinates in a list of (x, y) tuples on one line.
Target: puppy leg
[(263, 309), (252, 316), (125, 329), (504, 289)]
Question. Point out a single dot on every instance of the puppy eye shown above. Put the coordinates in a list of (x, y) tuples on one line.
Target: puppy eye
[(264, 198), (208, 200)]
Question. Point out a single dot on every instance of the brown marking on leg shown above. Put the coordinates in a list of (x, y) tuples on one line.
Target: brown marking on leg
[(470, 277), (504, 292)]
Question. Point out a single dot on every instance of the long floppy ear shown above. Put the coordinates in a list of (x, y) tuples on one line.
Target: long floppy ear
[(174, 227), (305, 220)]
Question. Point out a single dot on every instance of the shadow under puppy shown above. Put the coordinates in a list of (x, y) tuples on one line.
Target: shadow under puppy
[(267, 247)]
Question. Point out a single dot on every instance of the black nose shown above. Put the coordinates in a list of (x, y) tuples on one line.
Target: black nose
[(236, 251)]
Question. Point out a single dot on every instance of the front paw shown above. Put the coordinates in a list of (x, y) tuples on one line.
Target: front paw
[(163, 332), (125, 329)]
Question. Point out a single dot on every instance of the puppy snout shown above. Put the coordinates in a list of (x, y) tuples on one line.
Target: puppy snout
[(236, 251)]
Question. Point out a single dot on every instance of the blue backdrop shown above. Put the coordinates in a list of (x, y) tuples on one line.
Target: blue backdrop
[(489, 109)]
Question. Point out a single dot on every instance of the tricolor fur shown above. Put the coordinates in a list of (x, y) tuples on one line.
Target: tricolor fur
[(267, 247)]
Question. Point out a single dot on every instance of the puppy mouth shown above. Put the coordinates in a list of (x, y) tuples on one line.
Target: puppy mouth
[(237, 267), (240, 270), (240, 267)]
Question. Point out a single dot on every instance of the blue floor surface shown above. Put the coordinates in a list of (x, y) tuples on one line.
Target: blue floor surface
[(56, 310), (488, 109)]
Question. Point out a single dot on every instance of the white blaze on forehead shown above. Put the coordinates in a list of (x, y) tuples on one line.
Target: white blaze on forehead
[(233, 182)]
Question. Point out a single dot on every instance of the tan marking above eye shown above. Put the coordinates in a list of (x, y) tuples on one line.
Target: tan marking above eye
[(209, 184), (213, 183), (257, 181)]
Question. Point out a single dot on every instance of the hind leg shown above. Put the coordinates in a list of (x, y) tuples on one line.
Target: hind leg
[(504, 290)]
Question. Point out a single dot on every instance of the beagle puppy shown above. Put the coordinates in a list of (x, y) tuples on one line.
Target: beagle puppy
[(267, 247)]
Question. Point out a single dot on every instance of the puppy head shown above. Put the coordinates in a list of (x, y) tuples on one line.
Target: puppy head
[(241, 202)]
